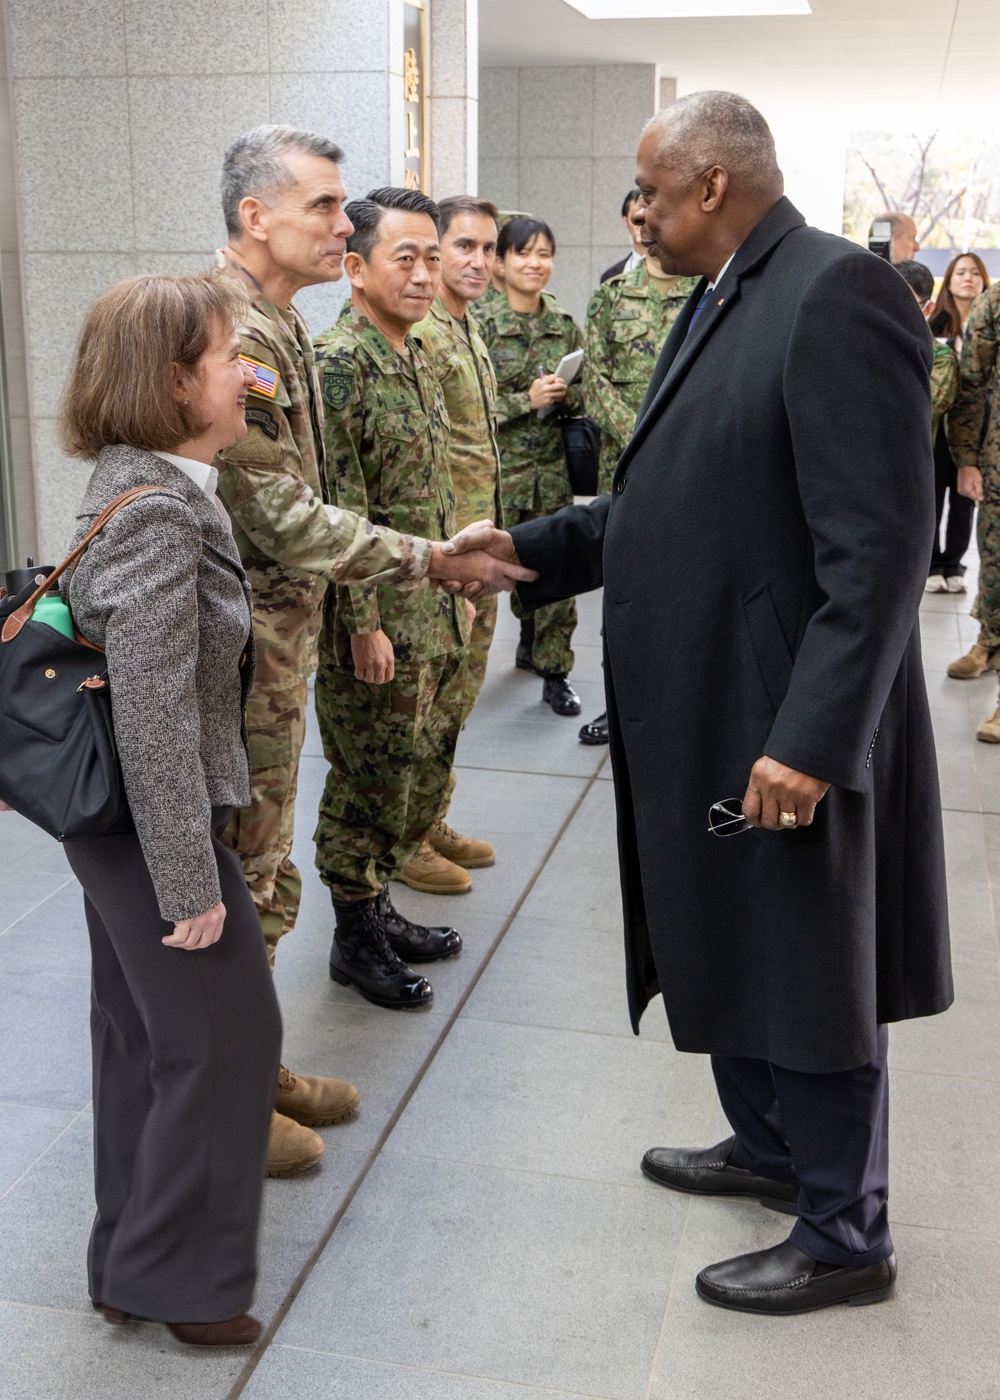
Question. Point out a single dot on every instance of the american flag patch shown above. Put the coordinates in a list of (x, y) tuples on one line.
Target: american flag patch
[(265, 378)]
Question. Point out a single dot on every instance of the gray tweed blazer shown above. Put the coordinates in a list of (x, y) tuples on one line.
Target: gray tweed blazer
[(162, 590)]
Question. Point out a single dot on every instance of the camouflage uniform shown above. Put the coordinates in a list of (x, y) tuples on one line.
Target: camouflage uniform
[(944, 383), (463, 367), (974, 438), (535, 481), (390, 747), (628, 319), (291, 542)]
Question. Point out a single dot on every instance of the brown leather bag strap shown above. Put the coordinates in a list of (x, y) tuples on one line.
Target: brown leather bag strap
[(17, 619)]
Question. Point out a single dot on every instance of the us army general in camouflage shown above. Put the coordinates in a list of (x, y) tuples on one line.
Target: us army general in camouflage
[(534, 479), (628, 319), (390, 746), (291, 540)]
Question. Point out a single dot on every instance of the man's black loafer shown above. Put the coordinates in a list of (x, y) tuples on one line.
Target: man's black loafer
[(706, 1172), (782, 1280)]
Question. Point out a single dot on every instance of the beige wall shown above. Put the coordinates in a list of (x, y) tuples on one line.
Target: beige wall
[(560, 143)]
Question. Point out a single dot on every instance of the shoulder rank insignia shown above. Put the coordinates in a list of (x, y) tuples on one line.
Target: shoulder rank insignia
[(266, 379), (338, 385)]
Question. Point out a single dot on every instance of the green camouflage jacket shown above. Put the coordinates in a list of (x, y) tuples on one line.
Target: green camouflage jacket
[(463, 366), (290, 538), (386, 436), (944, 383), (628, 319), (974, 421), (531, 449)]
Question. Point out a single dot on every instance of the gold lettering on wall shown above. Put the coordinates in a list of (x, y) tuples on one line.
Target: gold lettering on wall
[(415, 164)]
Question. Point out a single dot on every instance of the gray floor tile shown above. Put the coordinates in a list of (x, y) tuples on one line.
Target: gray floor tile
[(28, 850), (925, 1343), (48, 1354), (944, 1143), (287, 1371), (552, 1101), (45, 1039), (297, 1210), (22, 891), (545, 1281), (24, 1134), (45, 1223), (505, 743), (554, 972), (51, 938)]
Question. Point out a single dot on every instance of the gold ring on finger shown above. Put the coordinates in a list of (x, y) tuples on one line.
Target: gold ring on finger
[(788, 819)]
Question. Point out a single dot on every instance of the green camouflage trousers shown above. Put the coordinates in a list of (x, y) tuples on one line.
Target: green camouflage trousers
[(483, 628), (390, 749), (552, 649), (987, 605), (286, 618)]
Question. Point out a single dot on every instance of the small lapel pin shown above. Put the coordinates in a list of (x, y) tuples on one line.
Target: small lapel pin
[(720, 301)]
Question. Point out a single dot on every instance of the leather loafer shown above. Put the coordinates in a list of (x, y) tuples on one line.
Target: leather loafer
[(115, 1316), (558, 693), (240, 1331), (596, 732), (706, 1172), (782, 1280)]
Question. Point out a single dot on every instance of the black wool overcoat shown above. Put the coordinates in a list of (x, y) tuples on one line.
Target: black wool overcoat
[(763, 554)]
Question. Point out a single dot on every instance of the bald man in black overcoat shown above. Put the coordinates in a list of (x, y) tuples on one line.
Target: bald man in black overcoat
[(763, 554)]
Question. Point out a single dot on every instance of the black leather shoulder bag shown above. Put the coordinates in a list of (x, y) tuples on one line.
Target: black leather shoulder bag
[(59, 763)]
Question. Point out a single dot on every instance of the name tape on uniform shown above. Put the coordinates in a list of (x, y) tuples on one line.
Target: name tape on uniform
[(266, 379)]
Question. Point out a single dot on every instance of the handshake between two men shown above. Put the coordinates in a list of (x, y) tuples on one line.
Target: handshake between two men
[(481, 560)]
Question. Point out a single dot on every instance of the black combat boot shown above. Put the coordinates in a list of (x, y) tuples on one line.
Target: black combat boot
[(414, 942), (361, 958), (596, 732), (558, 693), (522, 657)]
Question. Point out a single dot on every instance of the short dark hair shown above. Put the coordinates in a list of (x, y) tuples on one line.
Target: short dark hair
[(456, 204), (917, 276), (518, 233), (628, 201), (366, 214)]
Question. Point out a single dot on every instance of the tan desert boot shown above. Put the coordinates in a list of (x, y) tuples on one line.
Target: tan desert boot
[(463, 850), (989, 731), (291, 1148), (316, 1102), (969, 666), (433, 873)]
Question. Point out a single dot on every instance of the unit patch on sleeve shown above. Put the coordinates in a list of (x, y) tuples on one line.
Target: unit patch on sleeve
[(265, 421), (265, 378), (338, 386)]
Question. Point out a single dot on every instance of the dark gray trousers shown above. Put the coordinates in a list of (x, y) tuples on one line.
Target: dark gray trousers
[(186, 1048)]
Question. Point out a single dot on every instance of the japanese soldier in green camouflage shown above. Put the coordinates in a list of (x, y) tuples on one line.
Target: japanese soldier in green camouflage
[(451, 340), (628, 319), (974, 438), (391, 682), (527, 337)]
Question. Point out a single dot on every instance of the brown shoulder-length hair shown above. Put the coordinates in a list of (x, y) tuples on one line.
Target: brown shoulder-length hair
[(945, 305), (119, 390)]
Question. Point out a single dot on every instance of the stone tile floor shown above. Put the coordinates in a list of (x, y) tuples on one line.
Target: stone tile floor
[(481, 1230)]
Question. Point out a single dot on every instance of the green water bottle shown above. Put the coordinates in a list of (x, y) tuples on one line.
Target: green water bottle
[(51, 610)]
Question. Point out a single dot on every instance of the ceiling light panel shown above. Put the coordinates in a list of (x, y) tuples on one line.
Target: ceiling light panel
[(687, 9)]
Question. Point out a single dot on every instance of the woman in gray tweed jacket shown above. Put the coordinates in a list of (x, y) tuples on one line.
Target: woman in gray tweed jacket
[(185, 1023)]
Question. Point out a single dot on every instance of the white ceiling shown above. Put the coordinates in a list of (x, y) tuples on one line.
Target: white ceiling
[(923, 61)]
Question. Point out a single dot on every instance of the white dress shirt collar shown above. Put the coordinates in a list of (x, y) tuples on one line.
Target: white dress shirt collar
[(206, 478), (725, 268)]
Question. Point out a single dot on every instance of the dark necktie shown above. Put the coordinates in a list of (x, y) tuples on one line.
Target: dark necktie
[(698, 309)]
